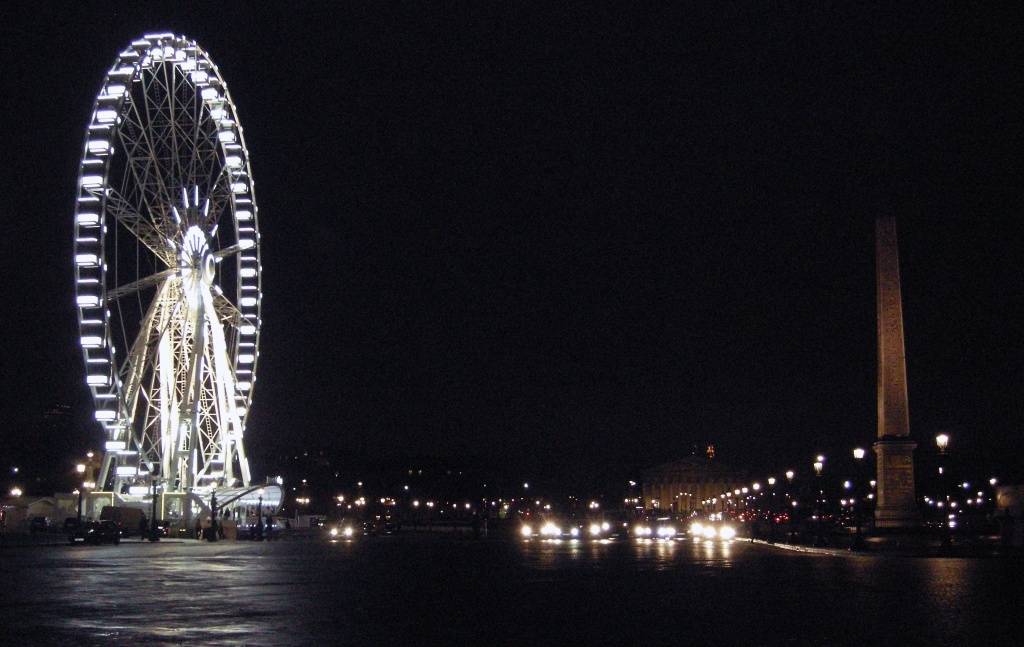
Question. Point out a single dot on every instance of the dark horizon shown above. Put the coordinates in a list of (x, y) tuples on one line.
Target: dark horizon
[(568, 239)]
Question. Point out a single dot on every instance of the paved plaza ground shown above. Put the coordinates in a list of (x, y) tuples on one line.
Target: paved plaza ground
[(429, 589)]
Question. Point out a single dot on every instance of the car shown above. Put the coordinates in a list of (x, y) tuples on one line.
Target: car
[(163, 526), (96, 532), (712, 531), (610, 525), (342, 531), (38, 524), (657, 524), (552, 527)]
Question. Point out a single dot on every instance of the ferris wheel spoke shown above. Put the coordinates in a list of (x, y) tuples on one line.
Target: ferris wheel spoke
[(142, 154), (231, 250), (156, 154), (141, 284), (228, 313), (140, 227), (219, 198), (161, 138)]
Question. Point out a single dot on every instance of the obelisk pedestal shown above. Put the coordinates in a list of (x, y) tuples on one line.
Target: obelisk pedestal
[(896, 505)]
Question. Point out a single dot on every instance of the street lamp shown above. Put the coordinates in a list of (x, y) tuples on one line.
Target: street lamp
[(791, 512), (942, 442), (153, 534), (213, 516), (819, 465), (858, 456), (80, 468)]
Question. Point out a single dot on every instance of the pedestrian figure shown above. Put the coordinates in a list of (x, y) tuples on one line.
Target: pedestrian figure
[(143, 523), (199, 528)]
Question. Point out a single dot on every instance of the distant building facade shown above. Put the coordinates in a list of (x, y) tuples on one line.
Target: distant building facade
[(693, 484)]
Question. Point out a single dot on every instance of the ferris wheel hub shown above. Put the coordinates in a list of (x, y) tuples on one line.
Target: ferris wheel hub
[(196, 263)]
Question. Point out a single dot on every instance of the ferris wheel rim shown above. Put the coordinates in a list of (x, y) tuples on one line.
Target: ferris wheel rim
[(93, 293)]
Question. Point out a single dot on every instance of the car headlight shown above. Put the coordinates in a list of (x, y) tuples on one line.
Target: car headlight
[(575, 532), (349, 532), (334, 532), (666, 531), (727, 532), (526, 531), (595, 529), (696, 529), (606, 526), (551, 530), (709, 532)]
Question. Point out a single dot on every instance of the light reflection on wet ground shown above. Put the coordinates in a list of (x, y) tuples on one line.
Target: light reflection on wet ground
[(440, 590)]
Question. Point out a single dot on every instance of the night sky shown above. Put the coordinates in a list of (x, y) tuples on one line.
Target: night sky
[(566, 240)]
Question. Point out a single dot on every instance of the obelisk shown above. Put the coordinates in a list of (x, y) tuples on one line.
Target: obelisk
[(895, 505)]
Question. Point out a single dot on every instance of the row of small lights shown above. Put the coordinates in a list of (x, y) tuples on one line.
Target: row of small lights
[(819, 465), (387, 501), (942, 441)]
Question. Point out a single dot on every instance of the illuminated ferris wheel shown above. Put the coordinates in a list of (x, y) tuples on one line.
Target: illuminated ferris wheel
[(167, 271)]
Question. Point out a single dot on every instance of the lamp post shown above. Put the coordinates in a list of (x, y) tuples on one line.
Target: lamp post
[(771, 510), (84, 471), (942, 442), (819, 465), (80, 468), (858, 457), (790, 512), (213, 517), (153, 534)]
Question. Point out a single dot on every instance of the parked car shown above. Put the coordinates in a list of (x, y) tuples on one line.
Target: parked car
[(164, 527), (96, 532), (38, 524), (126, 518)]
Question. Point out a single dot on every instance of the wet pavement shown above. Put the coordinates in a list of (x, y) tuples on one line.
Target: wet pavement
[(422, 589)]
